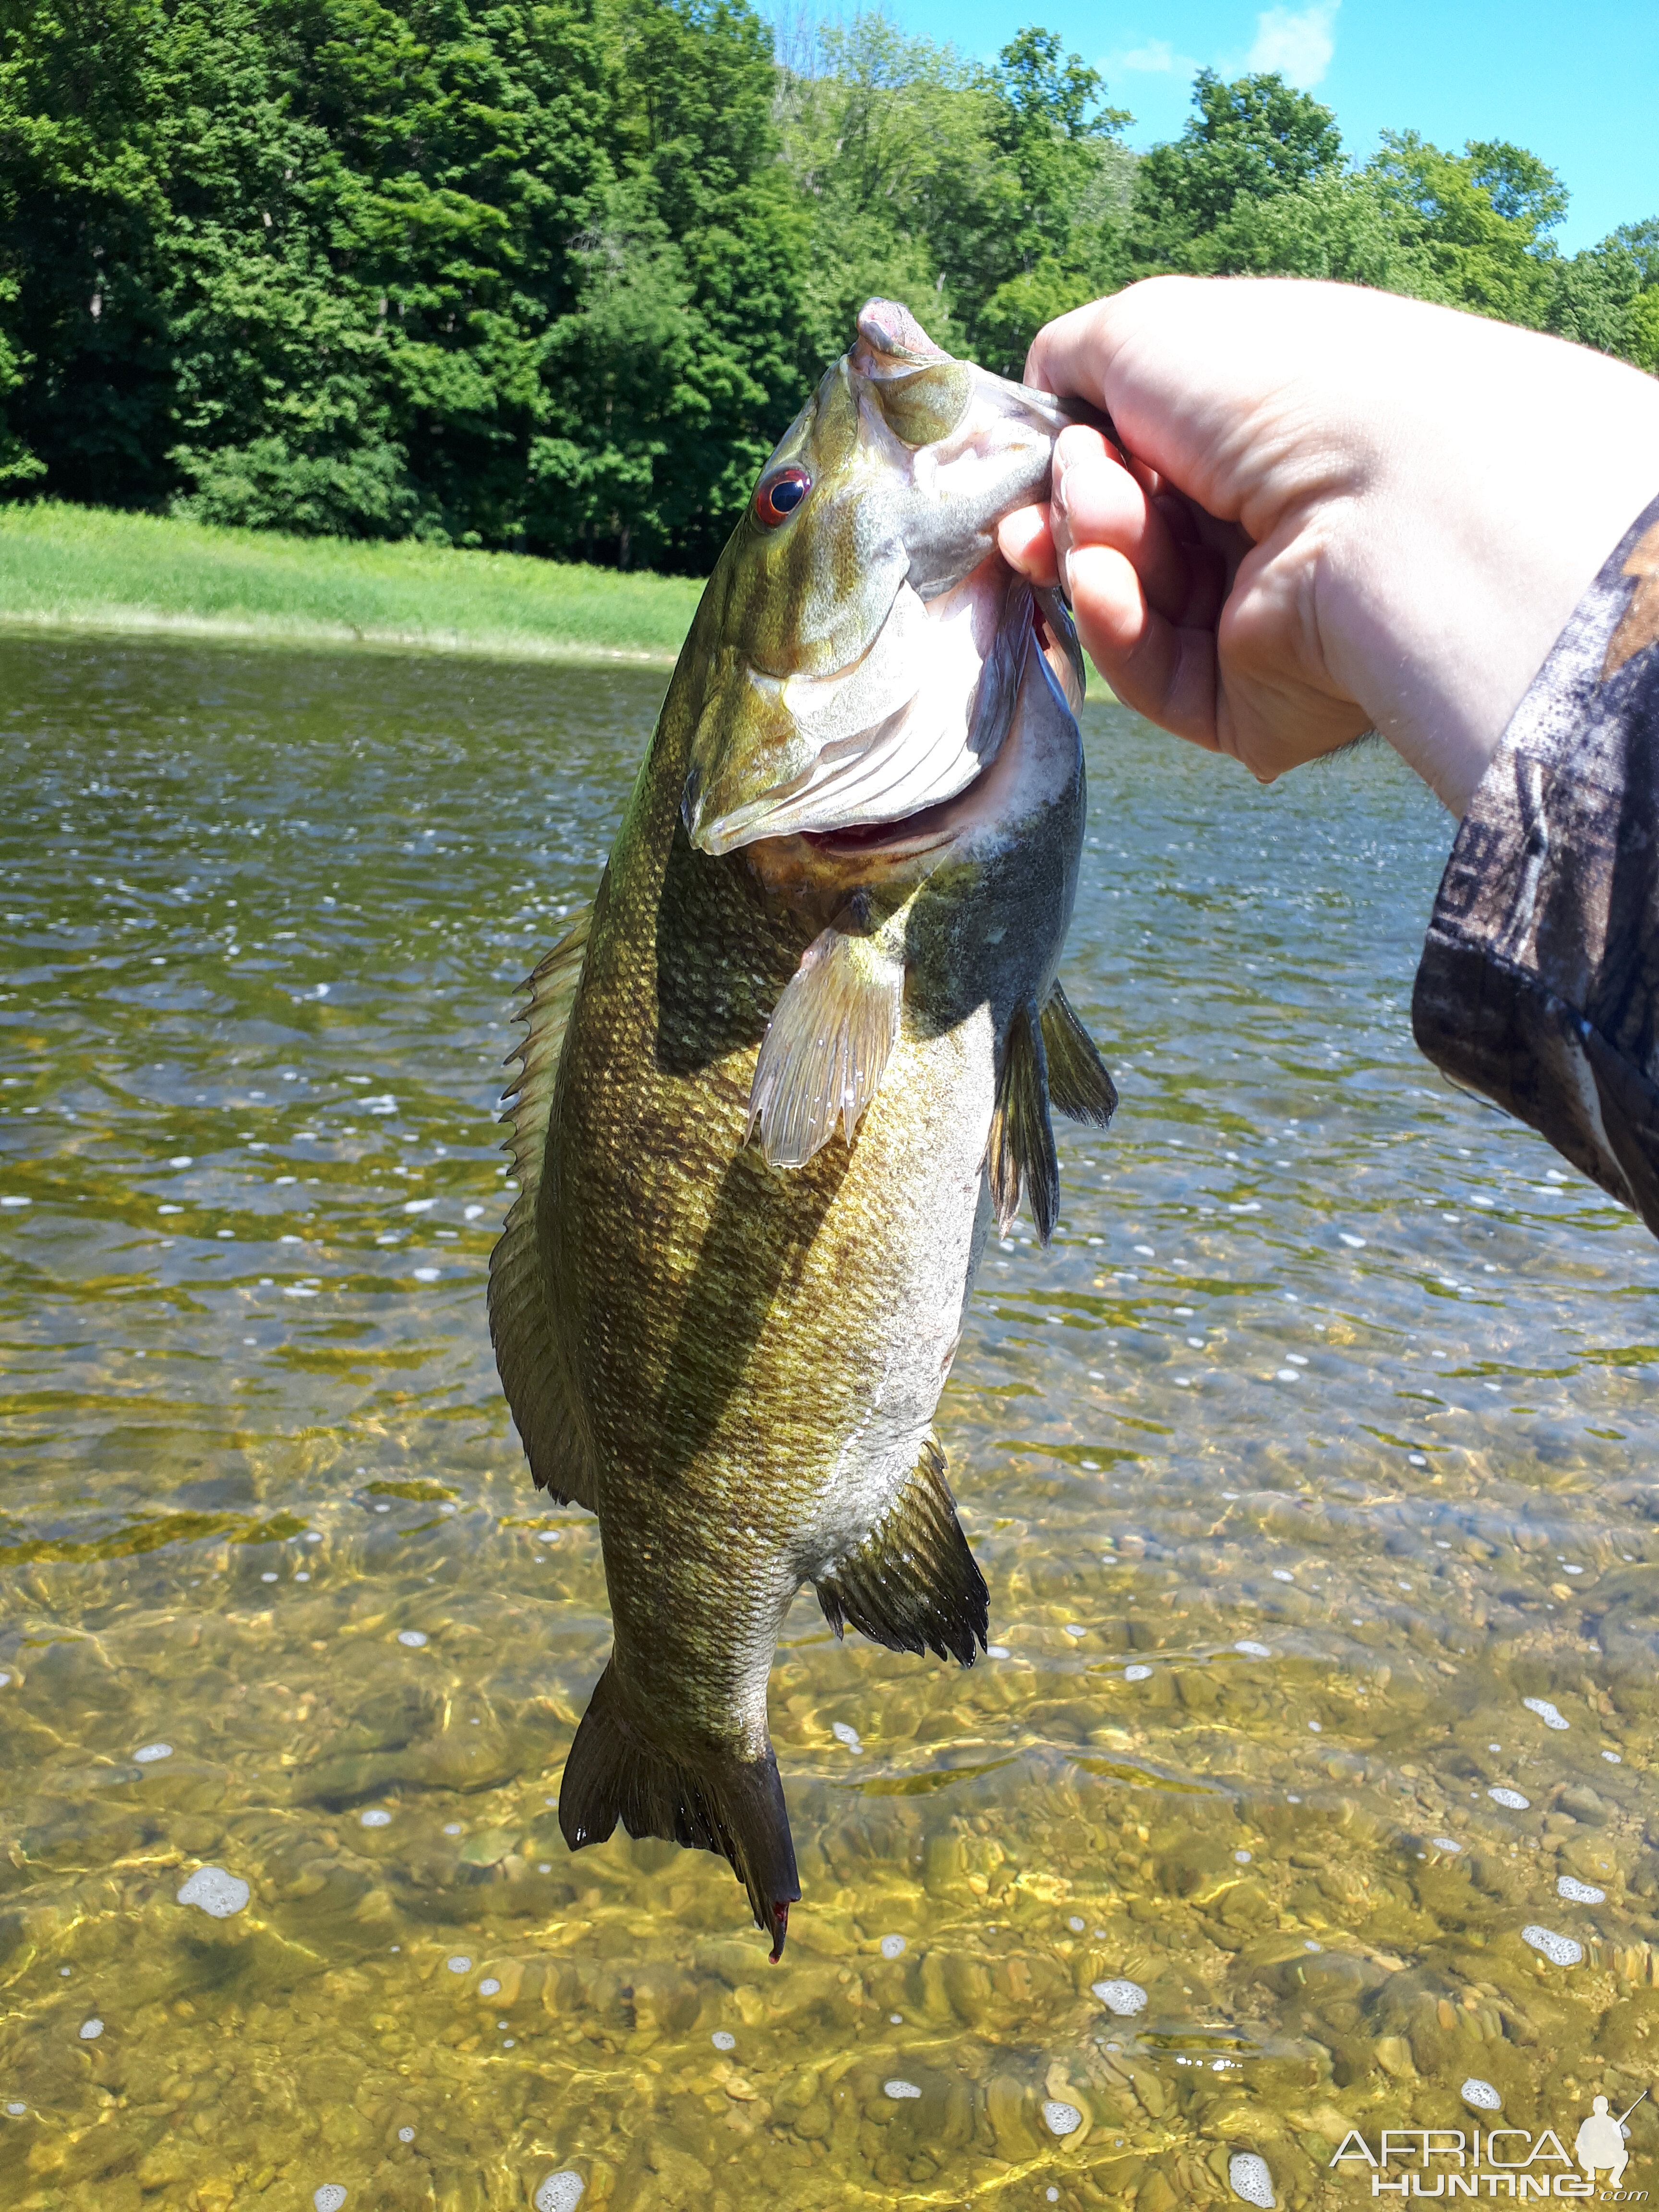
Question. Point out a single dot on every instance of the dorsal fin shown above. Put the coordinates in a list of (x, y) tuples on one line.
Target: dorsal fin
[(1080, 1082), (527, 1354), (1022, 1149)]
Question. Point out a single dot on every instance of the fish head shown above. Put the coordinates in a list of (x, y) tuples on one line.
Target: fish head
[(860, 641)]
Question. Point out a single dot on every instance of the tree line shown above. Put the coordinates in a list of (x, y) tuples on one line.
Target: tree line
[(555, 277)]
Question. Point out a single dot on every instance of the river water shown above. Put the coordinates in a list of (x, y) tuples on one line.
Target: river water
[(1318, 1445)]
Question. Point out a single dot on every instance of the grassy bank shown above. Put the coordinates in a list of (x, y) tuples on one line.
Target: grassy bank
[(84, 568), (81, 568)]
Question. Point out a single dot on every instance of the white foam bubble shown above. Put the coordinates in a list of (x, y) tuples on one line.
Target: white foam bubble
[(419, 1205), (1578, 1892), (374, 1818), (892, 1945), (1062, 2119), (1251, 1649), (1559, 1950), (215, 1893), (426, 1274), (1552, 1716), (1512, 1798), (998, 1651), (148, 1753), (17, 2110), (1248, 2172), (1136, 1673), (898, 2090), (845, 1734), (1075, 1924), (560, 2192), (328, 2196), (458, 1965), (488, 1987), (405, 2135), (723, 2040), (1481, 2095), (412, 1638), (1612, 1757), (1121, 1997), (91, 2029)]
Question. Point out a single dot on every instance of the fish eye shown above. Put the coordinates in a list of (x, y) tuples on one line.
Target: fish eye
[(777, 496)]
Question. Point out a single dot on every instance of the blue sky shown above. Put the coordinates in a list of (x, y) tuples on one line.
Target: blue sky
[(1579, 85)]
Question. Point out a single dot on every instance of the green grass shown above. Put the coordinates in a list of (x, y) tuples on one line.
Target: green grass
[(85, 568)]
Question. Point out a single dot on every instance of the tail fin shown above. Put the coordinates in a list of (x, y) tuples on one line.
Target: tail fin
[(715, 1803)]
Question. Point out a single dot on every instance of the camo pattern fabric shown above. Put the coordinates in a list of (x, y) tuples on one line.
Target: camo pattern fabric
[(1539, 985)]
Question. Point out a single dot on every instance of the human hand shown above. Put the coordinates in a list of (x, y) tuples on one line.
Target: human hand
[(1343, 510)]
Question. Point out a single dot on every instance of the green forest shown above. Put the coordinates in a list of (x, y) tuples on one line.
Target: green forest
[(554, 277)]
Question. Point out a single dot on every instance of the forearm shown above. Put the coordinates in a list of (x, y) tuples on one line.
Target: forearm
[(1539, 981)]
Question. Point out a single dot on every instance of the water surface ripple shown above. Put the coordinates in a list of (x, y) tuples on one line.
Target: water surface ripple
[(1311, 1469)]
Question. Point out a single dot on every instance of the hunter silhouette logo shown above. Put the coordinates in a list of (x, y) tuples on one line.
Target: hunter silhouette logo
[(1500, 2162), (1599, 2142)]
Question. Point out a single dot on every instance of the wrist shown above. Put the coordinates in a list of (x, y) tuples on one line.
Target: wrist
[(1454, 605)]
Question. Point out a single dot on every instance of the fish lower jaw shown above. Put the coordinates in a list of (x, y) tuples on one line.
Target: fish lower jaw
[(866, 855)]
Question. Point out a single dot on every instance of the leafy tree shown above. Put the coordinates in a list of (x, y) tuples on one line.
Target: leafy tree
[(999, 196), (1250, 141), (556, 274)]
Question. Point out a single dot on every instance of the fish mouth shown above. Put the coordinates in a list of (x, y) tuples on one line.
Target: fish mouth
[(910, 844)]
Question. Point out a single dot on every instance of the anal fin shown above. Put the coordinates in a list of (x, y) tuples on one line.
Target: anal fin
[(717, 1802), (1022, 1148), (824, 1056), (520, 1310), (912, 1584), (1080, 1082)]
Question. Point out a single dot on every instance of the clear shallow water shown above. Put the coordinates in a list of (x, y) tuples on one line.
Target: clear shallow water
[(1319, 1441)]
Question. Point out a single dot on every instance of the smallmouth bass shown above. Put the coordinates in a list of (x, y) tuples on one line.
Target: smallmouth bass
[(781, 1079)]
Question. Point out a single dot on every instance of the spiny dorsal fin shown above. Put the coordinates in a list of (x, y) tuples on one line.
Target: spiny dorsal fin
[(824, 1054), (711, 1801), (527, 1355), (1022, 1149), (1080, 1082), (913, 1583)]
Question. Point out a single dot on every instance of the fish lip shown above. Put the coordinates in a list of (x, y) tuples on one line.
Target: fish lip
[(910, 836)]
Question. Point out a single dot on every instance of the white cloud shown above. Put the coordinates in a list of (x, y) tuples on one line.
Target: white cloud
[(1300, 44), (1156, 59)]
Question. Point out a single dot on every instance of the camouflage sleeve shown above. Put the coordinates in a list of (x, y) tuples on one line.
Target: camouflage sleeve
[(1539, 985)]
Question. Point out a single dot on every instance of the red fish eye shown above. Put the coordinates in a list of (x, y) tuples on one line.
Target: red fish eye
[(777, 496)]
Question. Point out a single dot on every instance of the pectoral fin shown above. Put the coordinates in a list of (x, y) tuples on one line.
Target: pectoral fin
[(913, 1583), (824, 1053), (520, 1313), (1080, 1082), (1022, 1149)]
